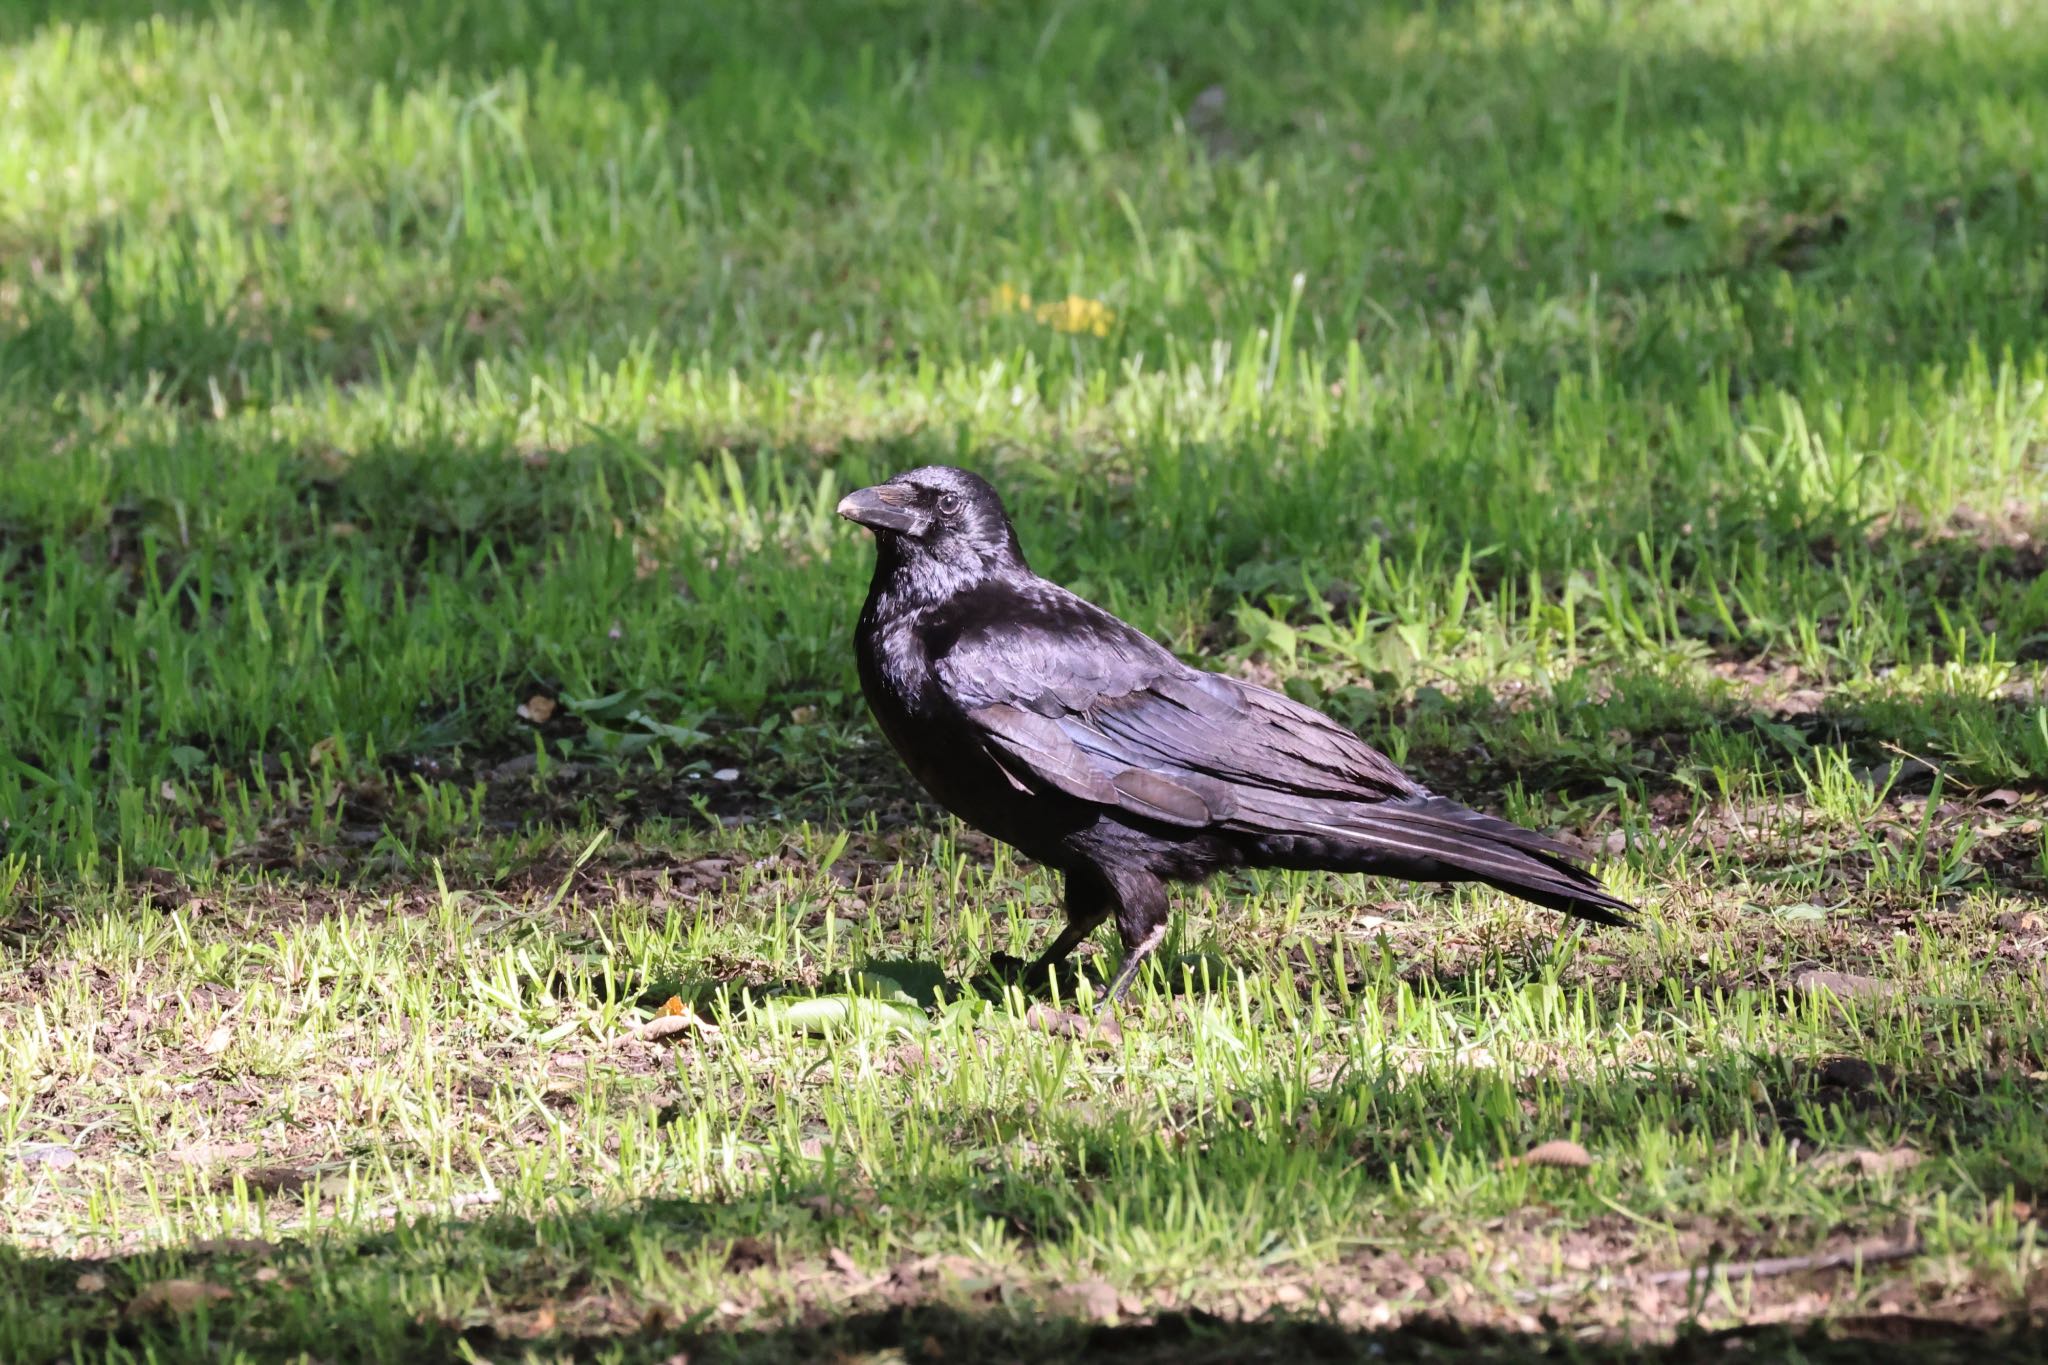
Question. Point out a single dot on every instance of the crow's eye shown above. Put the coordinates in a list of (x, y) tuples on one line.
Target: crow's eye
[(949, 503)]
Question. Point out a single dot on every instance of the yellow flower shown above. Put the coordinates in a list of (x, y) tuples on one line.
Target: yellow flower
[(1008, 298), (1073, 314), (1076, 314)]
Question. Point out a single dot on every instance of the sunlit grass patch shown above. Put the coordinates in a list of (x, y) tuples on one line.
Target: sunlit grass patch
[(424, 657)]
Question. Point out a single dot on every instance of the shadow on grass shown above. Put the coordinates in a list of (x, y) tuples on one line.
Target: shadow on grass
[(924, 1331), (649, 1281), (1196, 1338), (1647, 747)]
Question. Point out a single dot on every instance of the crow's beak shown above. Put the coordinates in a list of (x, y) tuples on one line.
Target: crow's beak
[(885, 507)]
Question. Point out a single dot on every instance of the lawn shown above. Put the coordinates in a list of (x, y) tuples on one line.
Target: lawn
[(453, 903)]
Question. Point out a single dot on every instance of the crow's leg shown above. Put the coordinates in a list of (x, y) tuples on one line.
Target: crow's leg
[(1089, 902), (1140, 922)]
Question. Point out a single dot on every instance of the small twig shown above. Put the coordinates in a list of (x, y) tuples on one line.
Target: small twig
[(1934, 769), (1879, 1254), (1792, 1265)]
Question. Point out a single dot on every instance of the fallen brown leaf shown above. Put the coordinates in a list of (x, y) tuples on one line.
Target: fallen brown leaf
[(213, 1153), (1842, 985), (271, 1180), (537, 709), (92, 1282), (835, 1206), (1067, 1024), (1562, 1153), (1090, 1301), (1867, 1162), (232, 1246), (664, 1025), (907, 1057), (176, 1296)]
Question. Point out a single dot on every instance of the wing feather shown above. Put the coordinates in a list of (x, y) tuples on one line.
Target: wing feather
[(1074, 699)]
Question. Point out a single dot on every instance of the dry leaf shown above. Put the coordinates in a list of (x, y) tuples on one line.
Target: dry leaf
[(176, 1296), (54, 1155), (1842, 985), (212, 1153), (92, 1282), (272, 1180), (322, 750), (218, 1040), (1867, 1162), (1044, 1018), (841, 1262), (1562, 1153), (1089, 1300), (666, 1023), (908, 1057), (537, 709), (661, 1026), (232, 1246), (833, 1206), (2000, 799)]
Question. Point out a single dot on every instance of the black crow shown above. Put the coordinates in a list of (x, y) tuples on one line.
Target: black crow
[(1046, 722)]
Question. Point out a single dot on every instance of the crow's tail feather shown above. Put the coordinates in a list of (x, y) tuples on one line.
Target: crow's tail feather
[(1444, 840)]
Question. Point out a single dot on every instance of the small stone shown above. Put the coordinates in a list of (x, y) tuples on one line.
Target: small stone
[(53, 1155)]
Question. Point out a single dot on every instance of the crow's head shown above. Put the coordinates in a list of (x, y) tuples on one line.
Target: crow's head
[(940, 518)]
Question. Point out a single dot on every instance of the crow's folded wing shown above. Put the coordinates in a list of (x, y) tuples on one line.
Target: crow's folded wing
[(1074, 700)]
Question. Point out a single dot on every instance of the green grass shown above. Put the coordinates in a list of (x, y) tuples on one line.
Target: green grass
[(1634, 418)]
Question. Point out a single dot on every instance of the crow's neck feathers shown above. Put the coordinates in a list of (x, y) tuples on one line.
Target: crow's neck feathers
[(912, 574)]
